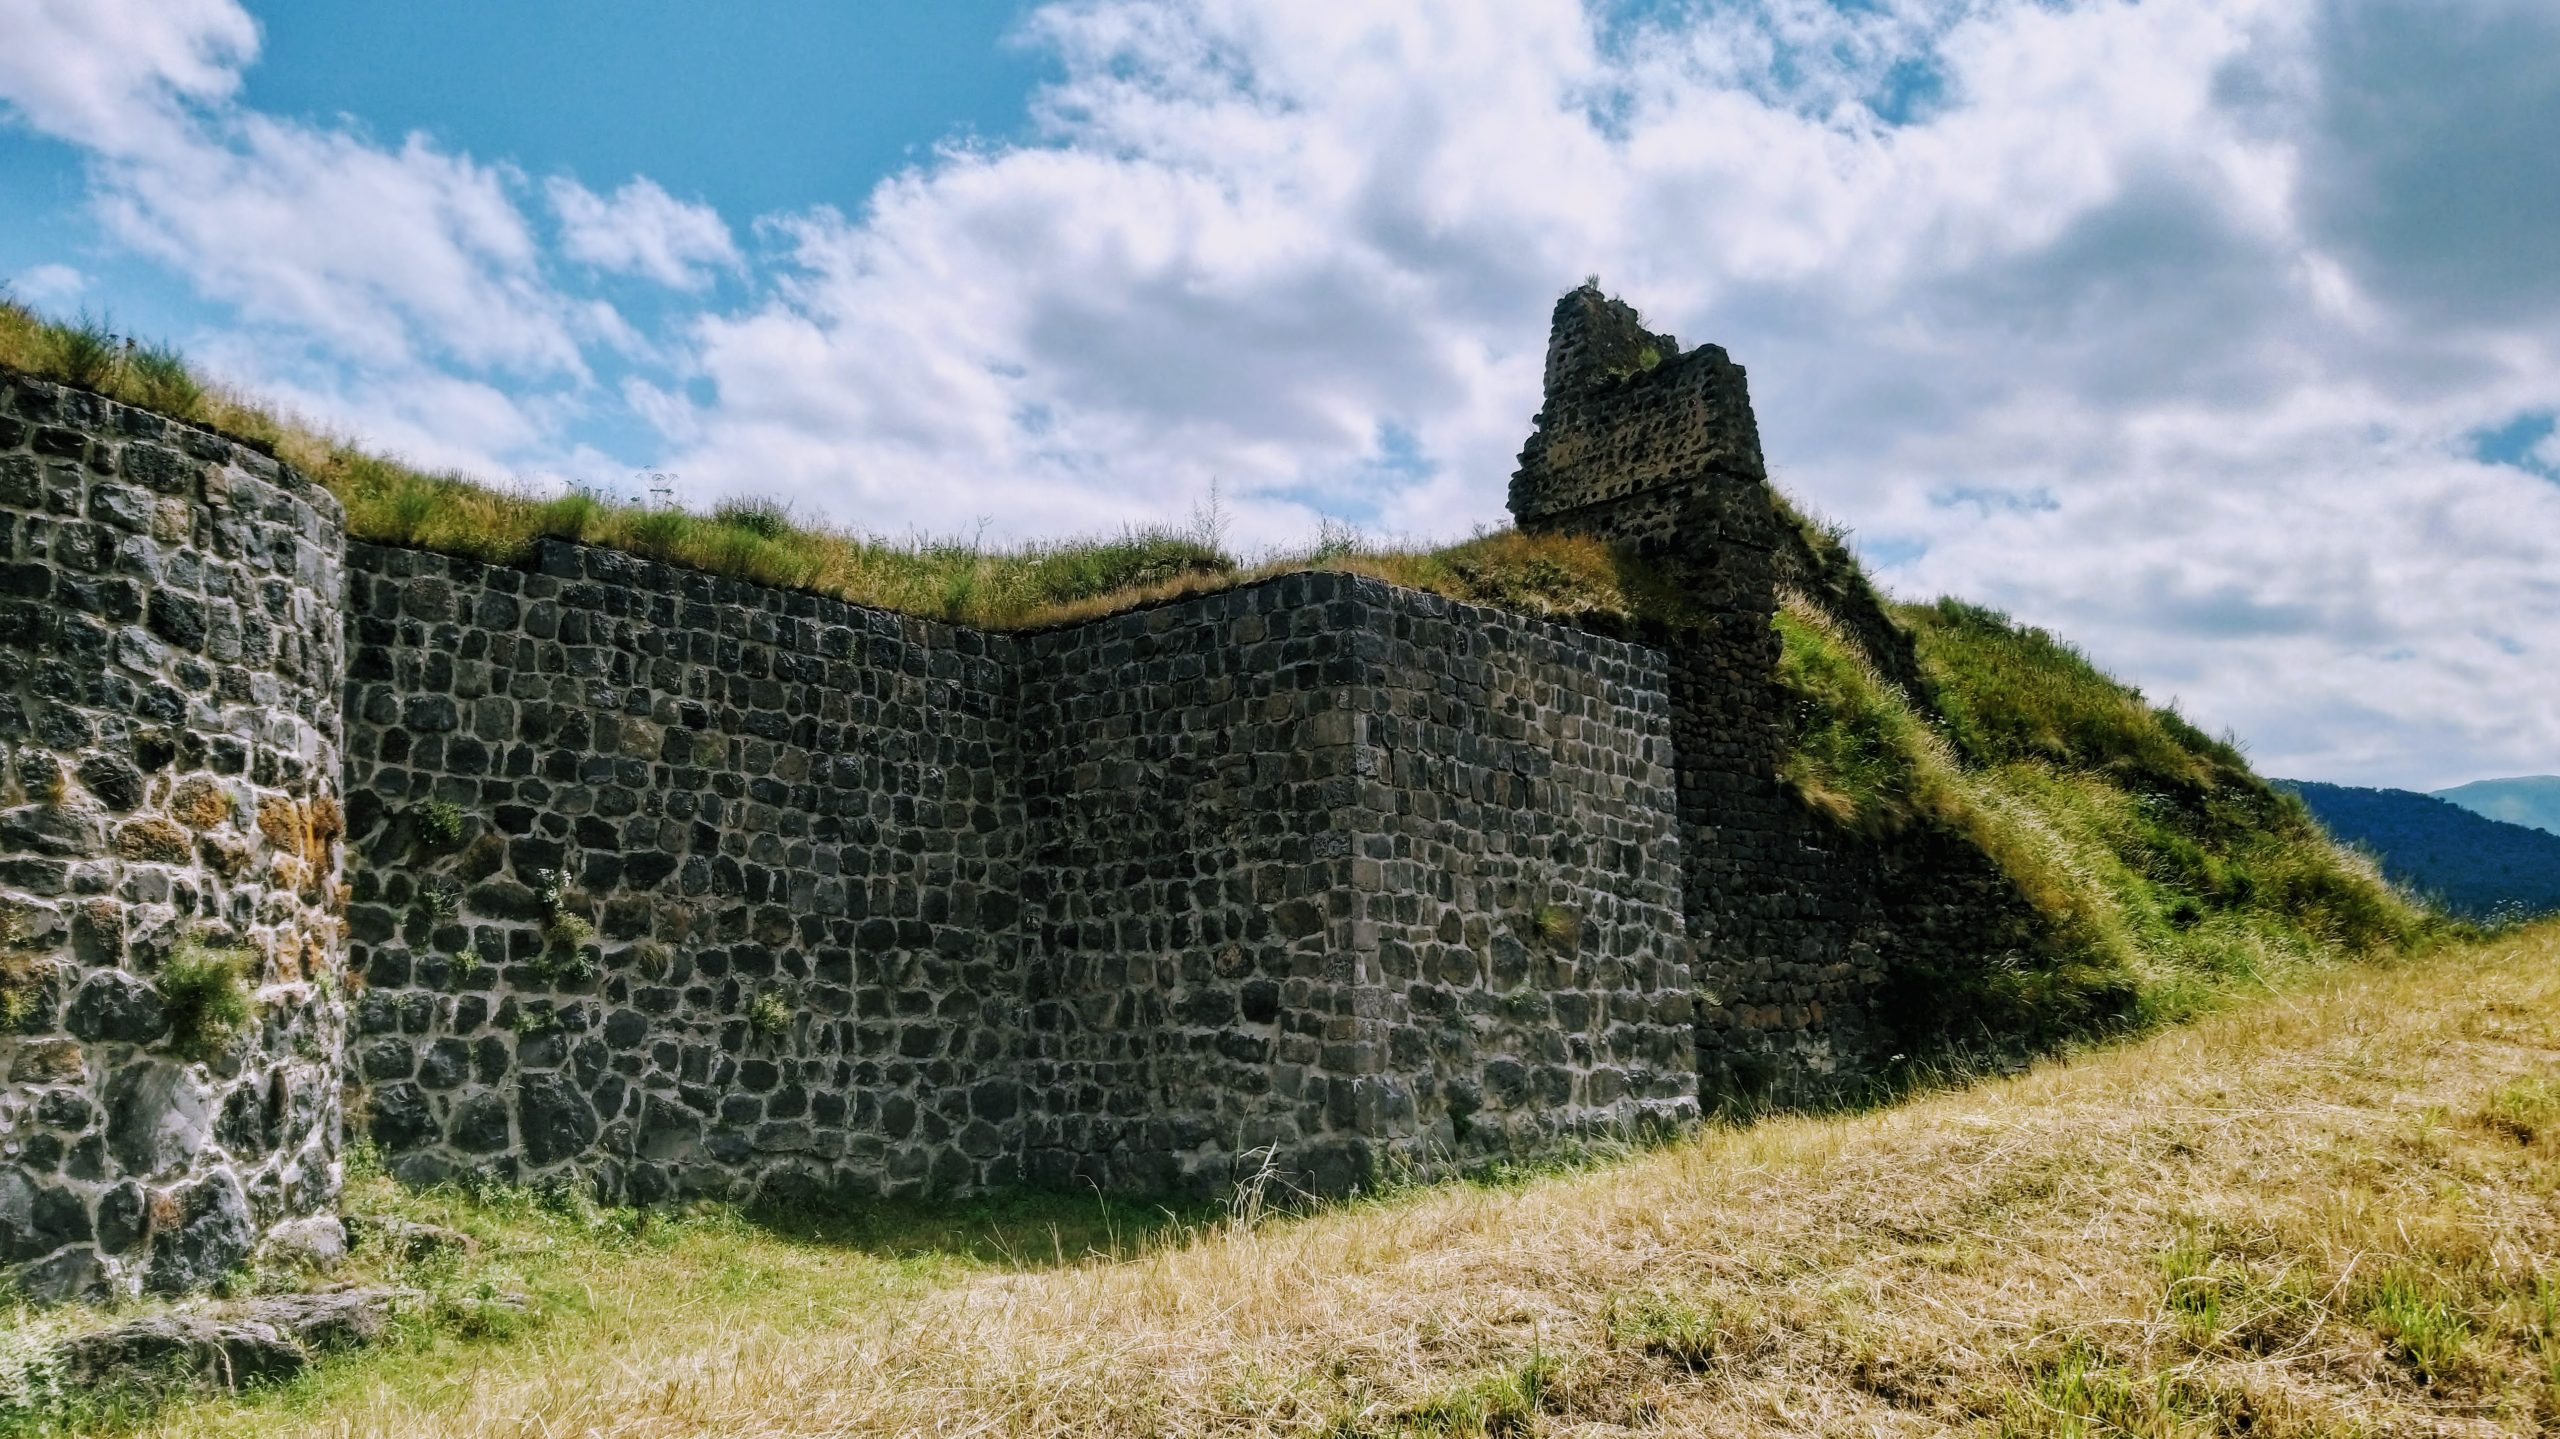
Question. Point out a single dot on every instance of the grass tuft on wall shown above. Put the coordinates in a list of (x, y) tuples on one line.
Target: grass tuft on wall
[(205, 994)]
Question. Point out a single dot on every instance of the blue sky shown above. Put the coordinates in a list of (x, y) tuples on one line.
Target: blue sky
[(752, 110), (811, 101), (2216, 334)]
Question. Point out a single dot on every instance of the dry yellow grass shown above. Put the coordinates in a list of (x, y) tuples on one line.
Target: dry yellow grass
[(2330, 1212)]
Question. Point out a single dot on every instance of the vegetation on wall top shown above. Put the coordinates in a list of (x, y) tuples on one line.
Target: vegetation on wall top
[(389, 501)]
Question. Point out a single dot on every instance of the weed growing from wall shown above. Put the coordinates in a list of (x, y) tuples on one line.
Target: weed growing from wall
[(768, 1014), (205, 994), (439, 900), (568, 936), (567, 956), (439, 822), (1559, 926)]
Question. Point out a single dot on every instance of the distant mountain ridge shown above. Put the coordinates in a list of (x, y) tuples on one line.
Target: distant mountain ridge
[(2532, 800), (2470, 863)]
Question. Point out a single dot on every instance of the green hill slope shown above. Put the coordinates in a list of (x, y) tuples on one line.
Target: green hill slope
[(2162, 868)]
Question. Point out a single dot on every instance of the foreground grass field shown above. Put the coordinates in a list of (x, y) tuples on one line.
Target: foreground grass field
[(2330, 1211)]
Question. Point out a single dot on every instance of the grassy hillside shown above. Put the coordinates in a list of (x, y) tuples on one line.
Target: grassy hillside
[(2162, 869), (2334, 1212), (2467, 862)]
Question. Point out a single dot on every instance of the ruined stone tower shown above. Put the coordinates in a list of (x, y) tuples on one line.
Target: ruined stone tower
[(1634, 434), (1811, 947)]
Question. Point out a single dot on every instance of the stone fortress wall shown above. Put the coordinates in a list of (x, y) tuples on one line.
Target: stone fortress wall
[(677, 886), (1251, 876)]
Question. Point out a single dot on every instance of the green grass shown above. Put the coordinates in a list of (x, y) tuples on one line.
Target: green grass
[(205, 994), (2159, 871), (1678, 1332), (83, 352), (547, 1268), (2420, 1324), (1859, 753), (2082, 1393), (2197, 855), (1863, 759), (1495, 1402), (2528, 1109), (2013, 693)]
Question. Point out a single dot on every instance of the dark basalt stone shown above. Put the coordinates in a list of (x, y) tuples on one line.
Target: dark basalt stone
[(159, 1116), (554, 1118), (480, 1125), (112, 1006), (212, 1237)]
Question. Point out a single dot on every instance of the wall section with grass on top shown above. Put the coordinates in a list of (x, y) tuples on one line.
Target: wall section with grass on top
[(673, 887), (172, 1001)]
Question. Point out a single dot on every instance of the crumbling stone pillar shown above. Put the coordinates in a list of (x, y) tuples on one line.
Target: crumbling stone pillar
[(1656, 451)]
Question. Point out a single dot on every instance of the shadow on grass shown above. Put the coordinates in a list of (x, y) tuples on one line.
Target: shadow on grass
[(1013, 1228)]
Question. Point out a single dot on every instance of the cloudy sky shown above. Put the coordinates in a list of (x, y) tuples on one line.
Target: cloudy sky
[(2222, 336)]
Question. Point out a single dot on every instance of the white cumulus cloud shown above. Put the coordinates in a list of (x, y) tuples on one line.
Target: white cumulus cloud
[(2168, 324), (118, 74), (386, 254), (642, 230), (49, 284)]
